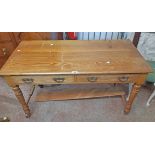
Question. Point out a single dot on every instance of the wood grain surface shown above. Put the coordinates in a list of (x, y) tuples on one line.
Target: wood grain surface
[(71, 94), (75, 57)]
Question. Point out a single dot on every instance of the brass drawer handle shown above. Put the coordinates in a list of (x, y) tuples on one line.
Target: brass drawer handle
[(123, 79), (27, 80), (92, 79), (59, 80)]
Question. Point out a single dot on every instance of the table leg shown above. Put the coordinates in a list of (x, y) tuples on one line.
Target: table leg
[(21, 100), (135, 89)]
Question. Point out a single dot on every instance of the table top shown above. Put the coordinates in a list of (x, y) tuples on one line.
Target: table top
[(75, 57)]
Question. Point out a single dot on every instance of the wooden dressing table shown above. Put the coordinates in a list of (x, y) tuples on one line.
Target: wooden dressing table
[(75, 62)]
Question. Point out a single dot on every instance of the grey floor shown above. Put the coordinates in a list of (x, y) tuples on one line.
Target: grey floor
[(107, 109)]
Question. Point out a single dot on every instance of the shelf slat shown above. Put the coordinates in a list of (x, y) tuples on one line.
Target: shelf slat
[(76, 94)]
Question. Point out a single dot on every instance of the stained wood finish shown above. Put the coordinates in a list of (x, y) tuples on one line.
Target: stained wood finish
[(6, 48), (74, 62), (79, 79), (110, 78), (10, 40), (76, 94), (75, 57), (20, 36), (21, 99), (134, 91), (7, 45), (64, 79), (5, 36)]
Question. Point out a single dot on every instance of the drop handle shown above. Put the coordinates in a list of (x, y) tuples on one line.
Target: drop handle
[(92, 79), (123, 78), (59, 80), (27, 80)]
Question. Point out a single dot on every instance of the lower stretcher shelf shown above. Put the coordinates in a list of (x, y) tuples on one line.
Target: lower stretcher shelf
[(71, 94)]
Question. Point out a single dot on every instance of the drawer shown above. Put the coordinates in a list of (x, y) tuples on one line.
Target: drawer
[(6, 49), (79, 79), (45, 79), (119, 78)]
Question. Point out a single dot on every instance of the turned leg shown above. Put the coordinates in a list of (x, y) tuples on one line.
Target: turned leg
[(134, 91), (21, 100)]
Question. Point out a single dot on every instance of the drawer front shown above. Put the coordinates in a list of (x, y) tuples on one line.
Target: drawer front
[(80, 79), (120, 78), (43, 79)]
